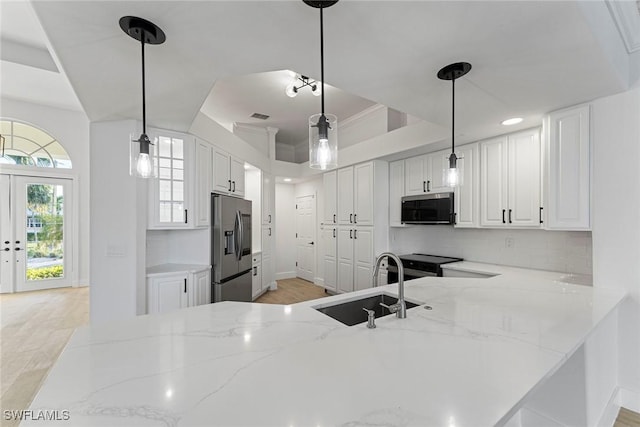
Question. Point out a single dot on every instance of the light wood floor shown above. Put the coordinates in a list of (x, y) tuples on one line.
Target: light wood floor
[(35, 327), (291, 291)]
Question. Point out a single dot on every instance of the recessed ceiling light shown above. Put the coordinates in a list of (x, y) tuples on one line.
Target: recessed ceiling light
[(287, 180), (513, 121)]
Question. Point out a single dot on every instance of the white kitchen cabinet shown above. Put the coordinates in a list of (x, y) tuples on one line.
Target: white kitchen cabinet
[(228, 174), (396, 192), (256, 276), (425, 174), (361, 194), (268, 260), (171, 192), (268, 200), (203, 183), (344, 195), (330, 213), (329, 245), (567, 172), (467, 194), (510, 180), (174, 286)]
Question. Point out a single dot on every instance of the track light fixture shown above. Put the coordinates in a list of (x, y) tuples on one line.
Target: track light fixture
[(145, 32)]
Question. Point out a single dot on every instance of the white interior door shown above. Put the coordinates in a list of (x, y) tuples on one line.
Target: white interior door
[(305, 237), (41, 215)]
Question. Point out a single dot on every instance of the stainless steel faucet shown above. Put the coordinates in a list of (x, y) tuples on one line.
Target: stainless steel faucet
[(399, 308)]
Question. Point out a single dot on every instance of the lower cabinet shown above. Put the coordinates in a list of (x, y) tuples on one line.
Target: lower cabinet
[(169, 291), (355, 258), (329, 262), (256, 276), (268, 260)]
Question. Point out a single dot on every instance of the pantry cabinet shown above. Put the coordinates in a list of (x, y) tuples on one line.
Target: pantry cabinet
[(567, 169), (268, 260), (330, 212), (510, 180), (329, 259), (268, 199), (228, 174), (171, 192)]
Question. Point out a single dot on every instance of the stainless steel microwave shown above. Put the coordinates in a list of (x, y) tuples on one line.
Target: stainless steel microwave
[(435, 208)]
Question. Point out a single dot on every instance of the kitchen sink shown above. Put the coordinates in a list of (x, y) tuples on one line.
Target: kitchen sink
[(351, 312)]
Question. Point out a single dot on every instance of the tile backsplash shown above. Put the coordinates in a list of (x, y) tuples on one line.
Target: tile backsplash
[(565, 251)]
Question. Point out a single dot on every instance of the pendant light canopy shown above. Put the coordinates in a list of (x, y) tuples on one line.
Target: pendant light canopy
[(140, 149), (453, 72), (323, 128)]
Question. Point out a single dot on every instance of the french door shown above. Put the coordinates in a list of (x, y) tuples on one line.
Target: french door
[(35, 233)]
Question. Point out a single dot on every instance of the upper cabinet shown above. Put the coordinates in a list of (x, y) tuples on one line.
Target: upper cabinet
[(170, 201), (228, 174), (510, 180), (567, 166), (467, 194), (396, 192), (203, 183), (268, 199), (425, 174)]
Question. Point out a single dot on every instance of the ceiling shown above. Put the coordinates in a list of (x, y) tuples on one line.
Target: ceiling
[(529, 58)]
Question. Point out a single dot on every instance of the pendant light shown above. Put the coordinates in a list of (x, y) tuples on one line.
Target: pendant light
[(140, 149), (323, 136), (453, 72)]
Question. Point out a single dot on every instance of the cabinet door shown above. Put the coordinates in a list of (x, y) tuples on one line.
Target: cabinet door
[(414, 179), (267, 196), (524, 179), (256, 279), (330, 274), (204, 157), (329, 238), (493, 182), (345, 259), (171, 191), (167, 293), (329, 181), (466, 194), (221, 172), (436, 165), (200, 288), (267, 240), (568, 203), (396, 192), (363, 245), (363, 276), (237, 177), (363, 197), (268, 271), (345, 196)]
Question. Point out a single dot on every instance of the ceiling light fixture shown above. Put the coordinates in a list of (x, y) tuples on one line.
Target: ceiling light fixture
[(453, 72), (323, 128), (292, 89), (513, 121), (140, 154)]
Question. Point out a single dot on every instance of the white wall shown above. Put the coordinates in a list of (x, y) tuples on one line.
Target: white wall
[(253, 192), (71, 128), (314, 187), (178, 246), (616, 219), (285, 152), (285, 247), (256, 136), (566, 251), (118, 223)]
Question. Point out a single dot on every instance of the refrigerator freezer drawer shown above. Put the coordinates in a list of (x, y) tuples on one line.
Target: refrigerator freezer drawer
[(236, 289)]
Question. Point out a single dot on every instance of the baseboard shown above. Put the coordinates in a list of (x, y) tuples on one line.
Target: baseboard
[(318, 281), (273, 286), (286, 275), (629, 399)]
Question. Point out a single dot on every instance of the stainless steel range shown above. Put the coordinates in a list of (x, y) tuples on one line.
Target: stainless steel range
[(418, 265)]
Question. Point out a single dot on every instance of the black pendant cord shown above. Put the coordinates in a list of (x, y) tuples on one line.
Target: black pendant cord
[(453, 112), (322, 60), (144, 100)]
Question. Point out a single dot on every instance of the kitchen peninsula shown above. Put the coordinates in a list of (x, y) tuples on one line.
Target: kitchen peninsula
[(478, 357)]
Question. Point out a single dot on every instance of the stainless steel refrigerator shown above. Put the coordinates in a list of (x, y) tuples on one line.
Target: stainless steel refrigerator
[(231, 248)]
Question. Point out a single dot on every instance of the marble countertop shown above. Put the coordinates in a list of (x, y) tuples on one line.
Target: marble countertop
[(471, 360), (164, 269)]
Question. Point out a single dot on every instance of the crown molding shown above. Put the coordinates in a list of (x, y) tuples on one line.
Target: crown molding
[(626, 15)]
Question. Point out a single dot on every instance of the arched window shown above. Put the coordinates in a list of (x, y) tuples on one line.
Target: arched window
[(23, 144)]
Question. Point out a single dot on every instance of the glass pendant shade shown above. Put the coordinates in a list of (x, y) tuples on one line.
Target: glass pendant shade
[(141, 157), (323, 141), (291, 90), (452, 176)]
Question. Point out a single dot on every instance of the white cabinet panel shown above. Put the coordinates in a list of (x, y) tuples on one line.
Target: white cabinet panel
[(345, 259), (167, 293), (330, 274), (493, 182), (363, 245), (204, 180), (256, 276), (200, 288), (363, 276), (524, 179), (467, 194), (396, 192), (345, 196), (267, 199), (267, 240), (415, 181), (568, 201), (237, 177), (345, 276), (329, 247), (436, 164), (363, 189), (268, 261), (329, 236), (330, 213), (221, 172)]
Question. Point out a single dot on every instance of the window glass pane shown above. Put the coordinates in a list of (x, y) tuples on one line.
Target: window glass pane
[(28, 141), (164, 173), (178, 174), (31, 133), (165, 163), (44, 233), (24, 145), (17, 158), (178, 212), (164, 147), (178, 149), (165, 189), (164, 214), (42, 159), (178, 164), (177, 191), (5, 129)]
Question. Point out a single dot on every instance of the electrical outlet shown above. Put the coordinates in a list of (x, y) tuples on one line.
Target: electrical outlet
[(509, 242)]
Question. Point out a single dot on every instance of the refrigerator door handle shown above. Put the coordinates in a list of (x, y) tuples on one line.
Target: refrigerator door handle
[(239, 235)]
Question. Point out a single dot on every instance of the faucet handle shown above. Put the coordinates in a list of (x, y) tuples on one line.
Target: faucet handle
[(371, 320), (392, 308)]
